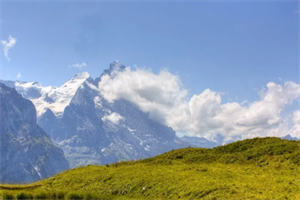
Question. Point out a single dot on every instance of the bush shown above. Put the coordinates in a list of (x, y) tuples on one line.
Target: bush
[(295, 157), (41, 196), (8, 196), (56, 195), (90, 197), (73, 196), (24, 196), (60, 195)]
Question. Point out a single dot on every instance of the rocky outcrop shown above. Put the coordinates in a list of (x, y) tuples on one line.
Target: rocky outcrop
[(26, 151)]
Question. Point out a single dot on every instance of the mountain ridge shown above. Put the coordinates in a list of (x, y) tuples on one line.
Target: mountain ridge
[(92, 130), (27, 153)]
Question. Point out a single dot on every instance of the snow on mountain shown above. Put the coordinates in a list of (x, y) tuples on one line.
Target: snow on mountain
[(95, 131), (53, 98), (92, 130), (27, 153)]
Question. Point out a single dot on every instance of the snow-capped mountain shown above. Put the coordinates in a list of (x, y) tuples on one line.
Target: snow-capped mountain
[(53, 98), (27, 153), (94, 131), (91, 130)]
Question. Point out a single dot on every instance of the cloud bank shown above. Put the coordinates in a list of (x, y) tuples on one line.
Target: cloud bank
[(204, 115), (7, 45)]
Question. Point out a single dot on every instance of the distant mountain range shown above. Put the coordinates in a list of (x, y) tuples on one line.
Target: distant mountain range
[(91, 130), (81, 122), (27, 153), (289, 137), (199, 142)]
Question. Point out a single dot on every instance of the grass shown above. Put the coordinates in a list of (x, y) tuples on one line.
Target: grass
[(260, 168)]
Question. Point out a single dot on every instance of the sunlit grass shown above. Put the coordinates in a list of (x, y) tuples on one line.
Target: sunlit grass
[(252, 169)]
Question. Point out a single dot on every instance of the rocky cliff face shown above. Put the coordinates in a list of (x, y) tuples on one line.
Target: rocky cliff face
[(98, 132), (26, 152)]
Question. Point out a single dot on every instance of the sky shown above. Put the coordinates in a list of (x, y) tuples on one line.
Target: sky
[(229, 47)]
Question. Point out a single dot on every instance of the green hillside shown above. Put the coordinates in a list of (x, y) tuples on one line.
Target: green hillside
[(260, 168)]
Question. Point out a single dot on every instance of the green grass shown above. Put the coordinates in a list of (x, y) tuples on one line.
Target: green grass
[(260, 168)]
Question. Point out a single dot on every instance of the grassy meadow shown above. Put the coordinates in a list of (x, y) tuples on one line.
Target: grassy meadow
[(260, 168)]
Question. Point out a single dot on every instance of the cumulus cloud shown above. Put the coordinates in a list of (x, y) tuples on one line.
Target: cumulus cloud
[(79, 65), (7, 45), (207, 116), (163, 97), (295, 130), (155, 94)]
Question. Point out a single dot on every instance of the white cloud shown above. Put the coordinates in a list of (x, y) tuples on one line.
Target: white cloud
[(79, 65), (114, 118), (207, 116), (19, 75), (295, 130), (7, 45), (162, 96), (156, 94)]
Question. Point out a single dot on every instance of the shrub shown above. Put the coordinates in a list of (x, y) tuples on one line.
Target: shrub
[(41, 196), (90, 197), (52, 195), (73, 196), (60, 195), (24, 196), (295, 157), (8, 196)]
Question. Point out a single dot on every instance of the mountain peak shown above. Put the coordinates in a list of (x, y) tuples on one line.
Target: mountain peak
[(115, 66), (82, 75)]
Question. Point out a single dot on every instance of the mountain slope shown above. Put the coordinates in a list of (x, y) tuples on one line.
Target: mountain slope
[(49, 97), (94, 131), (260, 168), (91, 130), (27, 153)]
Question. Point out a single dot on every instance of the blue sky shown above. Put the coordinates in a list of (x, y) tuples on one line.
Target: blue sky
[(230, 47)]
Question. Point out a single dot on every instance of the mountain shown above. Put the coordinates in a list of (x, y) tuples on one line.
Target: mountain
[(254, 169), (91, 130), (94, 131), (27, 153), (289, 137), (53, 98), (199, 142)]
